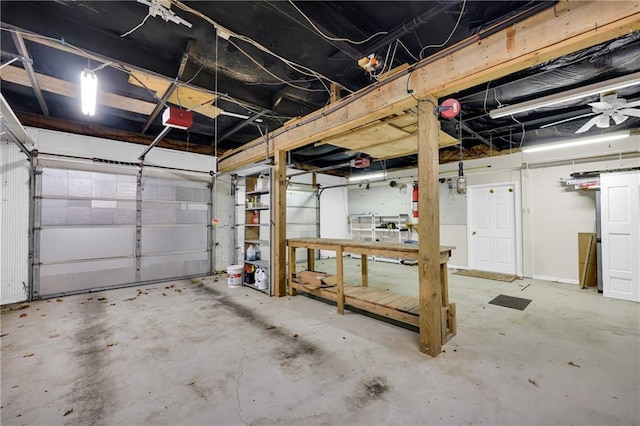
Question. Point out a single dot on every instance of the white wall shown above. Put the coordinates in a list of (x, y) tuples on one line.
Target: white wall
[(14, 224), (333, 210), (223, 237), (60, 143), (552, 215)]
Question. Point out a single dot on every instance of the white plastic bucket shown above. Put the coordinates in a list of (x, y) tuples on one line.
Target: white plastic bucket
[(234, 275)]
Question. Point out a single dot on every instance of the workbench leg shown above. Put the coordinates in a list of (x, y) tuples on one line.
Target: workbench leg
[(311, 259), (444, 284), (292, 270), (365, 270), (339, 274)]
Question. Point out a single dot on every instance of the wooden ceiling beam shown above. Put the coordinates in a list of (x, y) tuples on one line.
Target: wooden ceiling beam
[(570, 26), (49, 84), (39, 121)]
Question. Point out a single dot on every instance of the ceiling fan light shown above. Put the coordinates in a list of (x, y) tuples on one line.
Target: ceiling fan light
[(88, 91)]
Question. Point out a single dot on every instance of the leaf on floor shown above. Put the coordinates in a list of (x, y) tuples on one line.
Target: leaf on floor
[(112, 344), (28, 355), (177, 290), (43, 315), (66, 413), (195, 281), (572, 364), (500, 332), (100, 299), (23, 315), (130, 299), (58, 300), (2, 335), (295, 336), (89, 298), (533, 382), (22, 307), (53, 336), (270, 327)]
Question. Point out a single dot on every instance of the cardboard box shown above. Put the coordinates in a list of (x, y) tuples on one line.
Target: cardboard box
[(314, 279), (587, 272)]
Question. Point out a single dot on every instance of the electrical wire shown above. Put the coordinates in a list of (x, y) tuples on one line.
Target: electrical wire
[(136, 27), (464, 3), (407, 50), (272, 74), (335, 38)]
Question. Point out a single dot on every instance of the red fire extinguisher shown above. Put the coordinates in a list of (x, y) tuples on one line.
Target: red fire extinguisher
[(255, 219), (414, 198)]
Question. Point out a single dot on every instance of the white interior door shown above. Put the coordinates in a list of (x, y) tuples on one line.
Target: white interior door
[(491, 227), (620, 230)]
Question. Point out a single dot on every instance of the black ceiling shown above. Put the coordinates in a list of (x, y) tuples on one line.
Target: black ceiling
[(251, 81)]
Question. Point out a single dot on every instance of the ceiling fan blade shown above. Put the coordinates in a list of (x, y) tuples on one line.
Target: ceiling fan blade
[(600, 105), (567, 119), (589, 124), (631, 104), (603, 121), (619, 118), (630, 111)]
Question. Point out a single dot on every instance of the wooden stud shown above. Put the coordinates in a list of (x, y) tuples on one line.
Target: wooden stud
[(429, 291), (279, 203), (335, 93), (364, 260), (340, 275)]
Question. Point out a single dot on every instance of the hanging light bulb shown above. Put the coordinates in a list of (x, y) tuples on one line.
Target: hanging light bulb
[(89, 91)]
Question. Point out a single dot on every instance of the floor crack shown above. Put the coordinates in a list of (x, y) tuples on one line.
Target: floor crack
[(244, 354)]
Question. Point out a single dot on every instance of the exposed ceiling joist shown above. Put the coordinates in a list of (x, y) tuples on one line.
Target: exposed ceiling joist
[(570, 26), (22, 50), (61, 87)]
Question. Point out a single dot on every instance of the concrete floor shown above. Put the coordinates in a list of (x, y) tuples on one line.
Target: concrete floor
[(185, 353)]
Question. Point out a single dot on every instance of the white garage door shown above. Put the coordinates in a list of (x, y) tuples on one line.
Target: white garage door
[(97, 230)]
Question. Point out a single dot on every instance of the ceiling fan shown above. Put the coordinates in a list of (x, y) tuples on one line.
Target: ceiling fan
[(610, 107)]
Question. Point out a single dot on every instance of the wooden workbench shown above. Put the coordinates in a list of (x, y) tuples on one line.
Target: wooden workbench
[(377, 301)]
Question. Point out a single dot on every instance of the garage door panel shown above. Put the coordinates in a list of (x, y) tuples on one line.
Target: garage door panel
[(169, 239), (66, 244), (76, 276), (174, 265)]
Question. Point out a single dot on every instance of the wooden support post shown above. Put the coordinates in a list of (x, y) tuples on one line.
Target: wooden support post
[(429, 292), (365, 270), (292, 269), (340, 279), (279, 204)]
